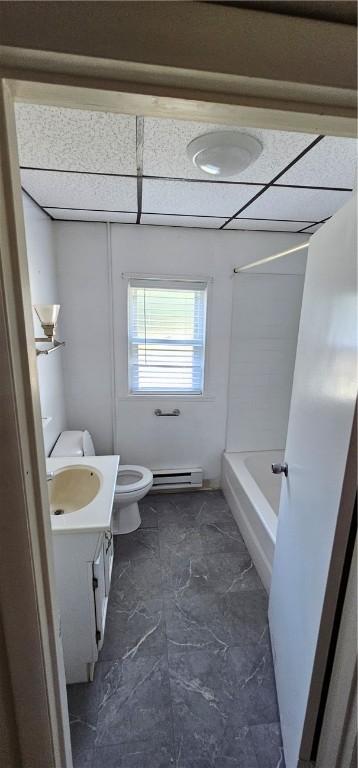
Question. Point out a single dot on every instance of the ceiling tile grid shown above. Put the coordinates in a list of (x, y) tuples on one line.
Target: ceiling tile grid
[(313, 229), (331, 163), (267, 225), (304, 204), (68, 214), (75, 139), (194, 199), (77, 190), (92, 160), (206, 222)]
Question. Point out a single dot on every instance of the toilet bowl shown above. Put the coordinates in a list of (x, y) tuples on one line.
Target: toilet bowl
[(133, 482)]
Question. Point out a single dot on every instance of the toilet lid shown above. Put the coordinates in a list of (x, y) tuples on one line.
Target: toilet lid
[(131, 478)]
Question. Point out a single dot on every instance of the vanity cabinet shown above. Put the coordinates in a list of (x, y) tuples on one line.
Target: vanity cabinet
[(83, 569)]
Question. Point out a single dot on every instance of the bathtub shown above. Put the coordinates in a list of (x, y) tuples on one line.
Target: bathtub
[(253, 494)]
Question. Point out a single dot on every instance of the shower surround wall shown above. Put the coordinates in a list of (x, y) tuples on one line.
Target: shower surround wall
[(265, 320), (91, 260), (43, 287)]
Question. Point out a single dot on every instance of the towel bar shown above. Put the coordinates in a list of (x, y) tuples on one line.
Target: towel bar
[(159, 412)]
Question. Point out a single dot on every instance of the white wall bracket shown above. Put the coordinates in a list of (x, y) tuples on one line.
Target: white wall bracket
[(55, 345)]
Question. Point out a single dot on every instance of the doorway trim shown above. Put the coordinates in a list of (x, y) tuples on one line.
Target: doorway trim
[(33, 650), (30, 624)]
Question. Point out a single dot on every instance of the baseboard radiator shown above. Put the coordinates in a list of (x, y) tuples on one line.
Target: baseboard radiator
[(175, 479)]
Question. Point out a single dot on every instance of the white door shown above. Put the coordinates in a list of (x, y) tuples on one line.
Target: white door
[(319, 432)]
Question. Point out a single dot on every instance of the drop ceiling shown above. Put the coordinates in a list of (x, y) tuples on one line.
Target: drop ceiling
[(96, 166)]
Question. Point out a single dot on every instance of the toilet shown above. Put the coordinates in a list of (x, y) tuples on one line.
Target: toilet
[(133, 482)]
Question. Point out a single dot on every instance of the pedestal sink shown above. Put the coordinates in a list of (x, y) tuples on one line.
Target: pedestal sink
[(72, 488)]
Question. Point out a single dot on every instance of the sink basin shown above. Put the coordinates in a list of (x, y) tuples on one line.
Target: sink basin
[(72, 488)]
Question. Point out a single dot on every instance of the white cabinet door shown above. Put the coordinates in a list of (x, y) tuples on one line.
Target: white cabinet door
[(99, 588), (108, 559), (303, 593)]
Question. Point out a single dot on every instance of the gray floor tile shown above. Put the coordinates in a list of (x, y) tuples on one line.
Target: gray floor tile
[(191, 510), (107, 757), (214, 509), (215, 622), (134, 630), (224, 537), (134, 580), (83, 702), (135, 704), (268, 745), (176, 542), (186, 599), (142, 755), (235, 687), (220, 572), (252, 668), (142, 543), (83, 760), (148, 512), (204, 695), (181, 514), (201, 747), (159, 507)]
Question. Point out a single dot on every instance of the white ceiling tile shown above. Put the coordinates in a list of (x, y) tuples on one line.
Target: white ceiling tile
[(76, 190), (267, 225), (331, 163), (69, 214), (182, 221), (75, 139), (301, 204), (193, 198), (173, 136)]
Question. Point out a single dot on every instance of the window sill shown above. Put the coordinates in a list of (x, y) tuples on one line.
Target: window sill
[(167, 398)]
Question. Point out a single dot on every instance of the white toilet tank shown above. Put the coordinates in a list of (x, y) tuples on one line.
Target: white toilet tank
[(74, 442)]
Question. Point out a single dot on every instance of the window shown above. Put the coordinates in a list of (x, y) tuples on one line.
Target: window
[(166, 336)]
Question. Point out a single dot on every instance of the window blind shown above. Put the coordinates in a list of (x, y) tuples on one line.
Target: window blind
[(166, 336)]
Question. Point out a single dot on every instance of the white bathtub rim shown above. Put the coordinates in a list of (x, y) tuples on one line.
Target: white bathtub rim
[(254, 492)]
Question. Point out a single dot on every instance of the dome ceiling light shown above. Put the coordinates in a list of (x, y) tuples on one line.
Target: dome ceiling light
[(224, 153)]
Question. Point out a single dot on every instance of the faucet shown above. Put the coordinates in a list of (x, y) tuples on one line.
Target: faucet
[(49, 476)]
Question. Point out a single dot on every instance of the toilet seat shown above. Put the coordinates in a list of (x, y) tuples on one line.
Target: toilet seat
[(131, 478)]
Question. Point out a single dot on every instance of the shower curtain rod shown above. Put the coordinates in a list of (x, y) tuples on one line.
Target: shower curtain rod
[(271, 258)]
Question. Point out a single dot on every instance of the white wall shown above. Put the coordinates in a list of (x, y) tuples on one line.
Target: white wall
[(83, 273), (197, 436), (91, 258), (266, 315), (43, 286)]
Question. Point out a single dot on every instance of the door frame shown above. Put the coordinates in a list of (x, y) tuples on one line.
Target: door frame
[(32, 659), (332, 610), (338, 743)]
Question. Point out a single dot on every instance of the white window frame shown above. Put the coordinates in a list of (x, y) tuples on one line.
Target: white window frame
[(170, 279)]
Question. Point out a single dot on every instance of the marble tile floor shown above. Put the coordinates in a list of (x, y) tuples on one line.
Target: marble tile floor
[(185, 676)]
